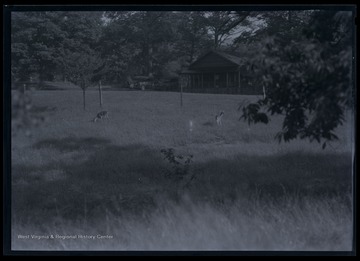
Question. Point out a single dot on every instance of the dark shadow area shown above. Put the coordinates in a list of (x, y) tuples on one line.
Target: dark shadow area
[(129, 180), (112, 178), (72, 144), (208, 123), (275, 177), (42, 109)]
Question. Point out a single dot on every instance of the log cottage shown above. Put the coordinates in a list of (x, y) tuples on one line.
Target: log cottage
[(218, 72)]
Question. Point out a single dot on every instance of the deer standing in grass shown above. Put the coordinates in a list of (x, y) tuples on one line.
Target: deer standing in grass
[(101, 115), (219, 117)]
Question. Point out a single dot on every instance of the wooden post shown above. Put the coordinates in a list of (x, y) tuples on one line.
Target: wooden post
[(24, 88), (214, 80), (227, 79), (100, 94), (202, 81)]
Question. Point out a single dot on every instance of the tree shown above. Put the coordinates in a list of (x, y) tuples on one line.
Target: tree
[(154, 33), (83, 31), (288, 25), (50, 43), (116, 47), (79, 58), (308, 79), (35, 40), (39, 40), (84, 68), (193, 35), (223, 24), (143, 44)]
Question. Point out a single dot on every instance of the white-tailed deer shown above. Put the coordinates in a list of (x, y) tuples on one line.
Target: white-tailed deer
[(101, 115), (218, 118)]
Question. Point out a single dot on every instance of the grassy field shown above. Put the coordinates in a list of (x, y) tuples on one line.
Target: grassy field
[(241, 191)]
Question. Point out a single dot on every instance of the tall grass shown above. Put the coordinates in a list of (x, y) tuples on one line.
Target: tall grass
[(76, 177), (245, 224)]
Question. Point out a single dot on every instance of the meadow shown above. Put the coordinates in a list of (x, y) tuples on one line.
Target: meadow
[(242, 190)]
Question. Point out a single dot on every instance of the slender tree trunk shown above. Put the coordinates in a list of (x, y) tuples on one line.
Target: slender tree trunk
[(192, 51), (150, 61), (216, 40), (41, 76), (63, 75), (84, 99), (181, 94), (100, 94), (239, 82)]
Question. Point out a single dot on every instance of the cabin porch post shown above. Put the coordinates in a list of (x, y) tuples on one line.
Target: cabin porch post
[(202, 81), (214, 80), (227, 79)]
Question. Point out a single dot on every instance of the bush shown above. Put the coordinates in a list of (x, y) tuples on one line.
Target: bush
[(180, 167)]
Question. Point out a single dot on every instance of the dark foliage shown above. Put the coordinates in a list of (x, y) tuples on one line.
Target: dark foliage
[(307, 80), (180, 166)]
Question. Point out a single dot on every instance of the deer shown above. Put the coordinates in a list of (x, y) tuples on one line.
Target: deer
[(101, 115)]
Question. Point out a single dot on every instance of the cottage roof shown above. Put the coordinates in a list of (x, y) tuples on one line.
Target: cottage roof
[(235, 59), (215, 58), (188, 71)]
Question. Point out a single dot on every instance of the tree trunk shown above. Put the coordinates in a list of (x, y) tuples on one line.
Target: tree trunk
[(216, 40), (84, 99), (239, 82), (192, 51), (181, 94), (63, 75), (100, 94), (150, 61), (42, 76)]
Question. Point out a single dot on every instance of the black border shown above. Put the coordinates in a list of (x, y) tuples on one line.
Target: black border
[(25, 7), (176, 7)]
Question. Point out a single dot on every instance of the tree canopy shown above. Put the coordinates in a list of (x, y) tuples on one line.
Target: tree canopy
[(308, 76)]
